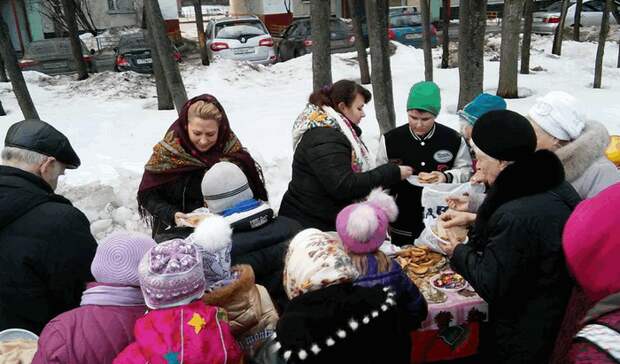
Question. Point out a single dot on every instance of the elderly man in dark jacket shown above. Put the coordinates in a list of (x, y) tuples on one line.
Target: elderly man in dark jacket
[(46, 247), (514, 259)]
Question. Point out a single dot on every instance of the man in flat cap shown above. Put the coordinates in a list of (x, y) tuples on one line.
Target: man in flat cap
[(46, 247)]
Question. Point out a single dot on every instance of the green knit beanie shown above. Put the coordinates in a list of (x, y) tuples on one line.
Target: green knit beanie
[(424, 96)]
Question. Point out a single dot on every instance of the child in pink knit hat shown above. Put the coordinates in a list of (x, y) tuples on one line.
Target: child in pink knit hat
[(363, 227), (180, 328)]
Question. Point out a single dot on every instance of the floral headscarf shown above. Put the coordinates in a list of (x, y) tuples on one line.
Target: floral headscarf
[(316, 260)]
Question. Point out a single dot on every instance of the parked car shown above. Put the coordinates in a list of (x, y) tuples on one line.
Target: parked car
[(242, 38), (297, 41), (405, 26), (134, 54), (547, 20), (54, 57)]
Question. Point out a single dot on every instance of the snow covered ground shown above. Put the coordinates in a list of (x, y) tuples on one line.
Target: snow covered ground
[(112, 118)]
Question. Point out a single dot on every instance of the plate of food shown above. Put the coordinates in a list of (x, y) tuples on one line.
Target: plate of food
[(194, 218), (418, 262), (449, 282)]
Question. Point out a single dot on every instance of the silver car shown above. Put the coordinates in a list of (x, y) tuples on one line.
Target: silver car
[(241, 39), (53, 57), (547, 20)]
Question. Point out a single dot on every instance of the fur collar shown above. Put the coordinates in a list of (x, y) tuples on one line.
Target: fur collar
[(535, 174), (225, 294), (578, 155)]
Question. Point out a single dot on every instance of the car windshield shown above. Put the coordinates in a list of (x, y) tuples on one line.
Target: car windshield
[(234, 30), (401, 21), (336, 26), (554, 8), (133, 42)]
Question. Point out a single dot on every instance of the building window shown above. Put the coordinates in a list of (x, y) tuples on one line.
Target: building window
[(121, 6)]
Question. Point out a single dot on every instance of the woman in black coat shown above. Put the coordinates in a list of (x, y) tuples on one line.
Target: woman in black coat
[(331, 166), (197, 140), (514, 259)]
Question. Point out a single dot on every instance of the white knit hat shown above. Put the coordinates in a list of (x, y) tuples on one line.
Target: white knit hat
[(225, 185), (559, 115)]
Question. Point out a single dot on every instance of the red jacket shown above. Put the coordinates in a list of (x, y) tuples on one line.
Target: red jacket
[(88, 335)]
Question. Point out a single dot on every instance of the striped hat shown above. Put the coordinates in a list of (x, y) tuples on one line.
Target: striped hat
[(118, 256), (224, 185)]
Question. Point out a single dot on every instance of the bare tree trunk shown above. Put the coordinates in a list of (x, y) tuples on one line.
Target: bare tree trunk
[(527, 37), (3, 76), (163, 47), (200, 29), (69, 10), (356, 8), (381, 76), (598, 68), (445, 35), (618, 54), (164, 98), (15, 73), (577, 20), (509, 56), (472, 29), (426, 39), (559, 30), (321, 48), (2, 112)]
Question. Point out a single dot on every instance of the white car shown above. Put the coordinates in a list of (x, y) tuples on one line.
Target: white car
[(547, 20), (243, 38)]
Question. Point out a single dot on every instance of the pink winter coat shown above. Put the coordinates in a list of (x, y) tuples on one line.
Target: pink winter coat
[(88, 335), (188, 334)]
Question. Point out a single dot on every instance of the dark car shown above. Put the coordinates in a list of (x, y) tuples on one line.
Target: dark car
[(134, 54), (297, 41), (53, 57)]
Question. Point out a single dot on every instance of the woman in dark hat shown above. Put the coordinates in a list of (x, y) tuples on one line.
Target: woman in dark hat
[(514, 259), (197, 140)]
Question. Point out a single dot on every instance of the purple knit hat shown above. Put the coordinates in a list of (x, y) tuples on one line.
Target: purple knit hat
[(171, 275), (118, 256), (363, 226)]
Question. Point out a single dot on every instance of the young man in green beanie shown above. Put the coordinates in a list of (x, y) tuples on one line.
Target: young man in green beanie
[(437, 154)]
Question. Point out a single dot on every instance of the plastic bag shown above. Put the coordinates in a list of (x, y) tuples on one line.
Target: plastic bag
[(434, 203)]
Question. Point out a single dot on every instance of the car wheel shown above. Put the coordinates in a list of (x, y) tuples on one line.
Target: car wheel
[(296, 53)]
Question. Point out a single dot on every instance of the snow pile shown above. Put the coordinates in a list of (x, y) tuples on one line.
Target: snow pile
[(113, 123)]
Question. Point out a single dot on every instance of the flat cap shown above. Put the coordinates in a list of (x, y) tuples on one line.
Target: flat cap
[(39, 136)]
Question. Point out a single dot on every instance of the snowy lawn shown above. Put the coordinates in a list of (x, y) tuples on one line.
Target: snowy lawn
[(113, 122)]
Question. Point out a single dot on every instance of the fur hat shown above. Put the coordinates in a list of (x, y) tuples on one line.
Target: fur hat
[(118, 256), (171, 274), (213, 238), (504, 135), (363, 226)]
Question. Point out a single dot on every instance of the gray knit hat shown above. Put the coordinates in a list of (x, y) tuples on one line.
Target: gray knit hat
[(225, 185)]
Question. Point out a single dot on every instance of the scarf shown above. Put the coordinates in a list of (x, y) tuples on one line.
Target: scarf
[(112, 295), (326, 117), (316, 260), (176, 156)]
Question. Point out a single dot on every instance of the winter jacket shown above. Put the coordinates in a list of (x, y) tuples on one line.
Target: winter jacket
[(191, 334), (249, 307), (45, 252), (514, 259), (89, 334), (184, 195), (341, 324), (407, 292), (598, 340), (323, 182), (586, 166)]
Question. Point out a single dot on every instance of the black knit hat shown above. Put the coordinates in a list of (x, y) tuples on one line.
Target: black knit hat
[(504, 135)]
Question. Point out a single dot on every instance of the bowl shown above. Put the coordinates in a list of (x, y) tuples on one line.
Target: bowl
[(448, 287), (17, 334)]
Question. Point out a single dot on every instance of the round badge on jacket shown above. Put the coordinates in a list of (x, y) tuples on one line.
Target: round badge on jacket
[(443, 156)]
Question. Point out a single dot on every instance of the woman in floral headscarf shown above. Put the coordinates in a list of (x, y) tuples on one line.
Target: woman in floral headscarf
[(332, 166), (198, 139)]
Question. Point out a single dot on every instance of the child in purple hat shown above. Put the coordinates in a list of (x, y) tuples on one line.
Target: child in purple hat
[(363, 227)]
